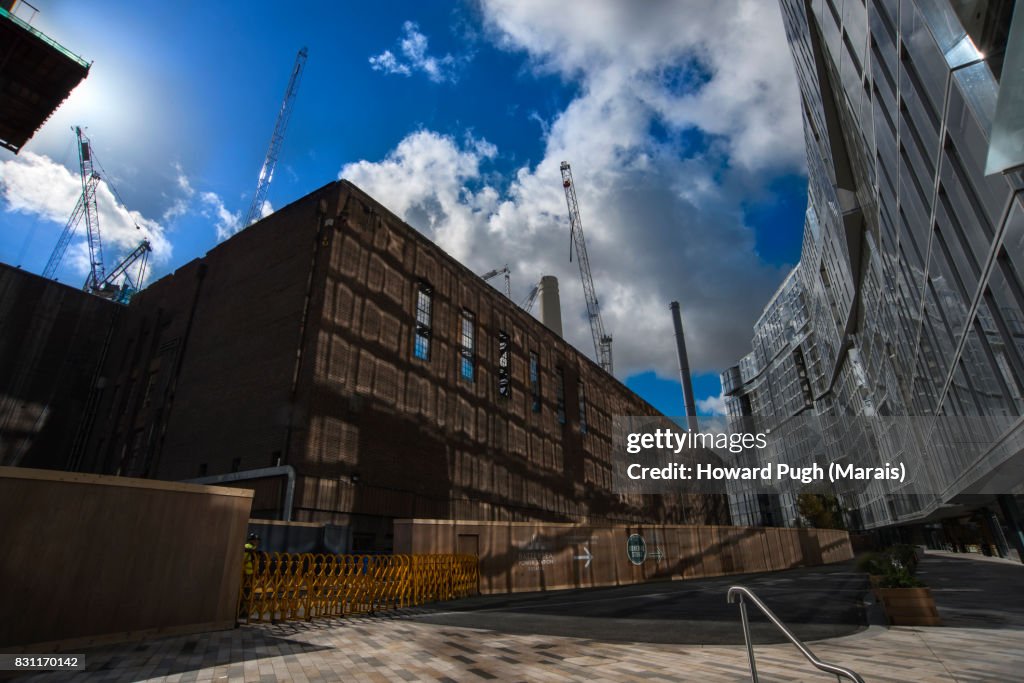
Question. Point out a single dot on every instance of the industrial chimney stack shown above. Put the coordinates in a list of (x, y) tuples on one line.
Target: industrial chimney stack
[(684, 368), (550, 305)]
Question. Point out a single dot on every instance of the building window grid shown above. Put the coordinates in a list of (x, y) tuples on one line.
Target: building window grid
[(424, 321), (560, 395), (535, 381), (504, 365), (467, 347), (583, 408)]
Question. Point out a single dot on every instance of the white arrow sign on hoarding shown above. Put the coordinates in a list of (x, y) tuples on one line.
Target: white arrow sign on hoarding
[(585, 556)]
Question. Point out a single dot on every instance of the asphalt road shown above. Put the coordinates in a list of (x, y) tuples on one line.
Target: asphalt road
[(816, 603), (974, 593)]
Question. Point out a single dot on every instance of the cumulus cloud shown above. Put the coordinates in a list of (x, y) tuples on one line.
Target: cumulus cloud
[(723, 67), (207, 204), (712, 405), (180, 205), (424, 180), (226, 223), (655, 232), (35, 184), (414, 57), (662, 212)]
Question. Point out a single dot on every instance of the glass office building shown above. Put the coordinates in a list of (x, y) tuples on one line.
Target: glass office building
[(909, 294)]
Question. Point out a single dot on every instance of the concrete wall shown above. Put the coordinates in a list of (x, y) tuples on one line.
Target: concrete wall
[(520, 556), (89, 558)]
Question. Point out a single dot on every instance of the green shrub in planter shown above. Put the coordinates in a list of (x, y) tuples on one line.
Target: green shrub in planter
[(872, 563), (896, 576), (905, 555)]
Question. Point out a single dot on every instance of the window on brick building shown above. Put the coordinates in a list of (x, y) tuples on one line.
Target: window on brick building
[(583, 408), (424, 321), (467, 347), (535, 381), (560, 395), (504, 363)]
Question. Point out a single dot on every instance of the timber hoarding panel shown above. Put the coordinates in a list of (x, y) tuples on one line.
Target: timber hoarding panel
[(90, 558), (533, 556)]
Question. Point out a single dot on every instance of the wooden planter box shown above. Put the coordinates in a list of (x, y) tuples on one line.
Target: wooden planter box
[(909, 606)]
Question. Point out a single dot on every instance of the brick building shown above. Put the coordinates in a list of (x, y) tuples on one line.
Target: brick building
[(332, 338), (52, 343)]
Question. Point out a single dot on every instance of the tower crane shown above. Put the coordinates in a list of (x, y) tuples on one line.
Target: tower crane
[(85, 208), (274, 149), (98, 281), (602, 341), (508, 278), (129, 286), (69, 229), (530, 298)]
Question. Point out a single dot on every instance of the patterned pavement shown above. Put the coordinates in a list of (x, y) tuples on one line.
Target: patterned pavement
[(393, 648), (978, 643)]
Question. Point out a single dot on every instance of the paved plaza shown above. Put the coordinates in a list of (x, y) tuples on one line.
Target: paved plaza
[(982, 604)]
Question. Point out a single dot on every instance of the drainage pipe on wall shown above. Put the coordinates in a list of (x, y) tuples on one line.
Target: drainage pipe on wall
[(261, 473)]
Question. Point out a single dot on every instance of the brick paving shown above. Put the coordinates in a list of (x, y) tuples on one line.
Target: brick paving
[(982, 604), (396, 648)]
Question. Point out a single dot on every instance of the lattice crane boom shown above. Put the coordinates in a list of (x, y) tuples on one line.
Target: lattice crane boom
[(140, 254), (90, 212), (65, 236), (499, 271), (530, 298), (274, 149), (602, 341)]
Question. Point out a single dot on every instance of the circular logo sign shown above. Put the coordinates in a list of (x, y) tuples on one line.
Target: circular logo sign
[(636, 549)]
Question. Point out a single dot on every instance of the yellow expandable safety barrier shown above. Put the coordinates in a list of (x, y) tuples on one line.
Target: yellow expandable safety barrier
[(286, 586)]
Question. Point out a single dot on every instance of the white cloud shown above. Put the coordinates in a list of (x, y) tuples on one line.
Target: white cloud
[(413, 48), (389, 64), (626, 50), (662, 212), (266, 209), (35, 184), (423, 180), (225, 222), (180, 205), (210, 205), (712, 405)]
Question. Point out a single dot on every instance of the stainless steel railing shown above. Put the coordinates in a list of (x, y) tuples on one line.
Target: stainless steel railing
[(741, 595)]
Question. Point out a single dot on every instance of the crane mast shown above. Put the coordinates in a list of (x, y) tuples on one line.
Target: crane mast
[(274, 149), (90, 212), (602, 341), (69, 230)]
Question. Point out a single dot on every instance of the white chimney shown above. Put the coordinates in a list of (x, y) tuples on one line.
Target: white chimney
[(550, 305)]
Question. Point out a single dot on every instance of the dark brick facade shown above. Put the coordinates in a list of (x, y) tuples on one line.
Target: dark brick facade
[(293, 343), (52, 341)]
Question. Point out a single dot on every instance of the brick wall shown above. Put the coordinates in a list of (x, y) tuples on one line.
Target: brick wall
[(52, 340), (292, 343)]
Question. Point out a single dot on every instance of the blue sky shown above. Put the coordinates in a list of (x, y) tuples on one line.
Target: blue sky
[(681, 121)]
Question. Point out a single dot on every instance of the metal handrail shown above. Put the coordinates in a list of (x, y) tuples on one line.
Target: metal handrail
[(737, 593)]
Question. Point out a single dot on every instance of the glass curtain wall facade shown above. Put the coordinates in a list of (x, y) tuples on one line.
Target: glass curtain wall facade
[(909, 294)]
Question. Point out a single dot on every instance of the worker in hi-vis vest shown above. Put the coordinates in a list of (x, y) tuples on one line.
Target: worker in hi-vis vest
[(251, 544), (249, 568)]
